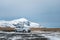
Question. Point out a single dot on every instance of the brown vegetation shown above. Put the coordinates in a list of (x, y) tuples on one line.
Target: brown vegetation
[(6, 29), (32, 29), (45, 29)]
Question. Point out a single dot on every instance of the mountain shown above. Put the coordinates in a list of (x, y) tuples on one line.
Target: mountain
[(19, 22)]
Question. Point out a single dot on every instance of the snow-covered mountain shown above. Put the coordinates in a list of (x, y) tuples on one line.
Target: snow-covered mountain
[(19, 22)]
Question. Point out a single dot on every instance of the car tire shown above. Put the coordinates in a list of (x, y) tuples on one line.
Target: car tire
[(24, 31), (29, 31)]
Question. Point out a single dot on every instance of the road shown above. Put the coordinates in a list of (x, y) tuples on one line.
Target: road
[(30, 36), (21, 36)]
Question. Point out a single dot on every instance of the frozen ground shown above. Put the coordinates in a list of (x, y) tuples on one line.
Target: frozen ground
[(53, 36), (50, 35), (37, 35)]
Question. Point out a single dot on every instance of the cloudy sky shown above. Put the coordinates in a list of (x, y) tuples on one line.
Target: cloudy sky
[(44, 12)]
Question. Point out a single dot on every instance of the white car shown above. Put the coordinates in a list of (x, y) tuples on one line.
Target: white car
[(22, 29)]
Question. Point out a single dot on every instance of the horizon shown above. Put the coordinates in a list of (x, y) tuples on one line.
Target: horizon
[(31, 21), (44, 12)]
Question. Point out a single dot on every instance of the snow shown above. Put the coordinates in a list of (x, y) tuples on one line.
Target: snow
[(36, 25), (49, 35), (52, 37), (20, 21), (6, 25)]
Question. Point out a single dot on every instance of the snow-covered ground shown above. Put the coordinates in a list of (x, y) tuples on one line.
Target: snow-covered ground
[(51, 35), (18, 35)]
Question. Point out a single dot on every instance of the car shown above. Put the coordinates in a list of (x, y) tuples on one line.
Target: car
[(22, 29)]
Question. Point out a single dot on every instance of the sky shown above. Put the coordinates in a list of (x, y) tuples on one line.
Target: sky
[(44, 12)]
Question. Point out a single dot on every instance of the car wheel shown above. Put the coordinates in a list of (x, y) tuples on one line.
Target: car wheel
[(29, 31), (24, 31)]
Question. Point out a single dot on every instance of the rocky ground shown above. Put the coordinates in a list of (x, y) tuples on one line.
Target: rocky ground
[(29, 36)]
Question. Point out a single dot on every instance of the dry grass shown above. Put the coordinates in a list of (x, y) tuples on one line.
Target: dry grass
[(45, 29)]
